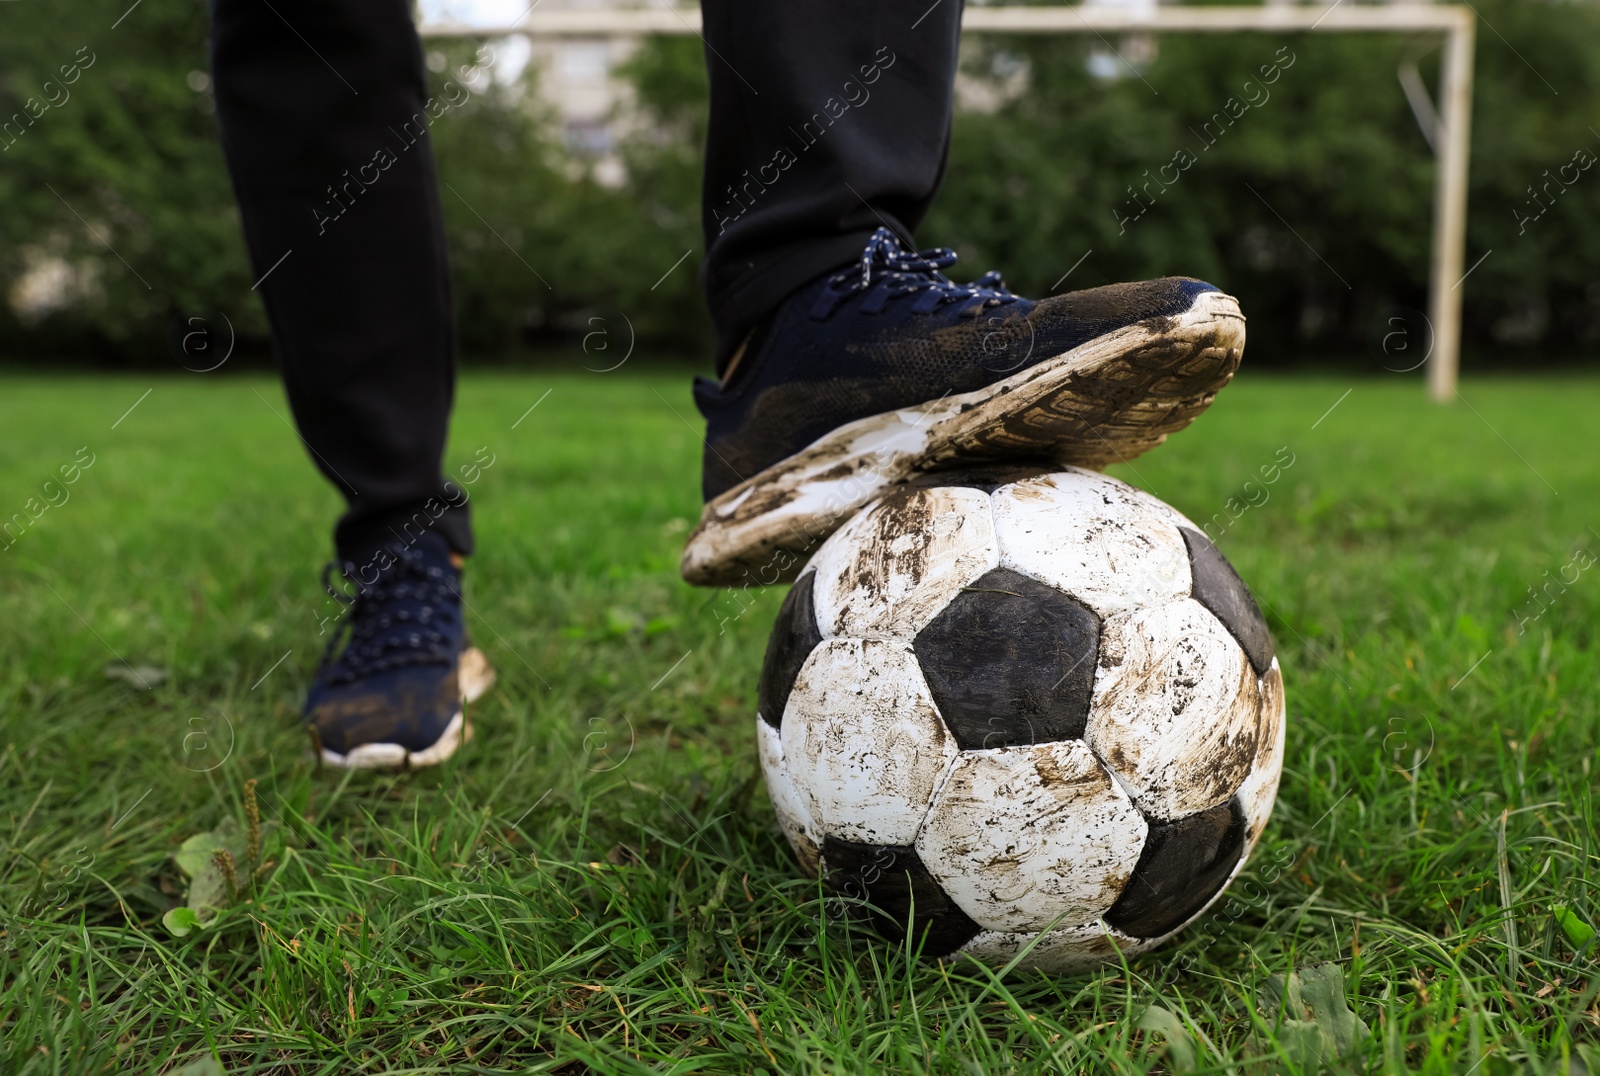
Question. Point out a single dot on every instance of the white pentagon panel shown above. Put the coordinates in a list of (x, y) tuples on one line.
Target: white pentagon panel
[(1260, 789), (794, 818), (1064, 951), (1176, 711), (1019, 836), (1112, 547), (889, 571), (862, 741)]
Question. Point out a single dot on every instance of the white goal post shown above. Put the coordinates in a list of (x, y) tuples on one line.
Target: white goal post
[(1452, 137)]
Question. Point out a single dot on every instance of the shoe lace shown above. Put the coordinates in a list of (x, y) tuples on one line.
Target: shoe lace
[(889, 270), (390, 622)]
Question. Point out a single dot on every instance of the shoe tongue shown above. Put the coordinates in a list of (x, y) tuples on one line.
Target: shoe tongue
[(429, 546), (432, 546)]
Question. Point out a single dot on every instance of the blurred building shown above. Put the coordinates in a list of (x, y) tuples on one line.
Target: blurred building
[(576, 78)]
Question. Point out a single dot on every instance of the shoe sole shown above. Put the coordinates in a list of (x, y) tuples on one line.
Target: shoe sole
[(1107, 401), (475, 676)]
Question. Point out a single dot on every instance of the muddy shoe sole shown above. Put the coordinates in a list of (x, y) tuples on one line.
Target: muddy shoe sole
[(474, 675), (1107, 401)]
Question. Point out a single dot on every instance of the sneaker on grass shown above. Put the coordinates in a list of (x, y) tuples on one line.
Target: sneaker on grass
[(888, 369), (393, 697)]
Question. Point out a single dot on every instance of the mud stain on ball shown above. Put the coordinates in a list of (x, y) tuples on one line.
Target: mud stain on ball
[(863, 741), (1218, 587), (1064, 951), (794, 636), (1177, 711), (1260, 788), (1021, 835), (902, 522), (1107, 545), (891, 569)]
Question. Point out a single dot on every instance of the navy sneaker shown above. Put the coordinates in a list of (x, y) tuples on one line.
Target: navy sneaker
[(394, 696), (888, 369)]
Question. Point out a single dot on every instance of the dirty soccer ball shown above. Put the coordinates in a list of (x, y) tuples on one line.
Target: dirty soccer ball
[(996, 706)]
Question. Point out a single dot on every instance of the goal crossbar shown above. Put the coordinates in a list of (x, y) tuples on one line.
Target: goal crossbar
[(1455, 23)]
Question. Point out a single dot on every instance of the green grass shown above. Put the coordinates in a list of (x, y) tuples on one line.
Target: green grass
[(597, 880)]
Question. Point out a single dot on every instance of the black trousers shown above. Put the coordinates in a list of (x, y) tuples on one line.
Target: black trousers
[(829, 119)]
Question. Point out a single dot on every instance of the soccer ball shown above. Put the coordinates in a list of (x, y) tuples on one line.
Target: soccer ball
[(996, 706)]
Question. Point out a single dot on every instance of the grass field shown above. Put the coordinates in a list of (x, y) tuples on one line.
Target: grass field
[(597, 881)]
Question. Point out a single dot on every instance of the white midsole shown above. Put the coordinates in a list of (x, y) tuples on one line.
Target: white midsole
[(390, 756), (824, 483), (474, 676)]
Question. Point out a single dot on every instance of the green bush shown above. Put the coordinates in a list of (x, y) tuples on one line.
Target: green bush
[(1314, 205)]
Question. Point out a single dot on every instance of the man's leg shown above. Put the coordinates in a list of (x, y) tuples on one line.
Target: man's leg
[(829, 120), (850, 362), (341, 216), (324, 126)]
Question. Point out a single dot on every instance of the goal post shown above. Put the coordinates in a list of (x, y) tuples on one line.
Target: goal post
[(1455, 23)]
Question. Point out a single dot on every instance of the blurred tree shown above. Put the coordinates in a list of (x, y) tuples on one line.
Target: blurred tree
[(575, 264), (1536, 108), (1314, 203), (119, 213), (115, 195)]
